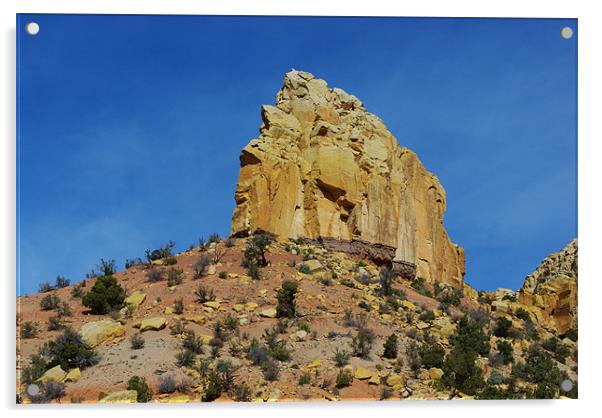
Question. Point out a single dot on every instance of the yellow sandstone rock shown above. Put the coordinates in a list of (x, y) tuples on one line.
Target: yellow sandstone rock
[(135, 299), (152, 324), (56, 374), (124, 396), (95, 333), (325, 167), (268, 313), (73, 375), (362, 373)]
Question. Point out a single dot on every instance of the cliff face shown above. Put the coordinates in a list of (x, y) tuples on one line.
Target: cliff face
[(325, 169), (551, 290)]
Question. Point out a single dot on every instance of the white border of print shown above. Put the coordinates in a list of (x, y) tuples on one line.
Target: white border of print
[(590, 136)]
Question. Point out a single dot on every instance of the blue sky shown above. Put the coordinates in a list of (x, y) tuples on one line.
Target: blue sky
[(130, 127)]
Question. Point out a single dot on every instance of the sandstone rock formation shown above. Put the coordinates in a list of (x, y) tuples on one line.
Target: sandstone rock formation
[(325, 169), (551, 290), (95, 333)]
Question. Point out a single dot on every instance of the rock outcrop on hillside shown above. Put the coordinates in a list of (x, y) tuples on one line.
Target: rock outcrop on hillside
[(551, 290), (325, 169)]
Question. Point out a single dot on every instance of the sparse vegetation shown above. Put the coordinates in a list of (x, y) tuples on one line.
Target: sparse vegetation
[(390, 347), (286, 299), (167, 384), (361, 343), (61, 282), (255, 253), (304, 268), (386, 277), (200, 267), (341, 358), (154, 275), (55, 323), (204, 294), (45, 287), (105, 296), (159, 253), (185, 358), (137, 342), (178, 306), (241, 392), (271, 370), (29, 329), (502, 328), (49, 303), (174, 276), (344, 378), (143, 391)]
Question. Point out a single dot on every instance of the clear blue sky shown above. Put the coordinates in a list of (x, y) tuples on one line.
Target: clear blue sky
[(131, 127)]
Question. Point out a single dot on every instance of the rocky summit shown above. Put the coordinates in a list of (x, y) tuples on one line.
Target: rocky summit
[(325, 169)]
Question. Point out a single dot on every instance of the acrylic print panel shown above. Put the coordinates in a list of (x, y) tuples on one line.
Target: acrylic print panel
[(219, 208)]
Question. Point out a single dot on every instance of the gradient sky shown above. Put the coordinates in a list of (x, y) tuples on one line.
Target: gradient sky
[(130, 127)]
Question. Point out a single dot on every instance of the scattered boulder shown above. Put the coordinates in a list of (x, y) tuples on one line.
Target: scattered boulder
[(395, 379), (268, 313), (435, 373), (152, 324), (97, 332), (362, 373), (135, 299), (197, 319), (56, 374), (213, 304), (314, 266), (73, 375), (124, 396)]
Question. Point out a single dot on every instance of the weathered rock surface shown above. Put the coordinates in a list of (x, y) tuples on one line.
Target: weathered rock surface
[(152, 324), (95, 333), (324, 168), (551, 290), (124, 396), (56, 374)]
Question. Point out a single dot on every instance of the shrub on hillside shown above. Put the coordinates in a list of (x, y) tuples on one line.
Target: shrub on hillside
[(70, 351), (386, 277), (185, 358), (204, 294), (107, 267), (286, 299), (45, 287), (242, 393), (431, 355), (29, 330), (143, 391), (154, 275), (390, 347), (61, 282), (502, 328), (178, 306), (361, 344), (137, 342), (174, 276), (341, 357), (167, 384), (344, 378), (256, 249), (77, 291), (49, 302), (105, 296), (200, 267), (271, 370), (159, 253)]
